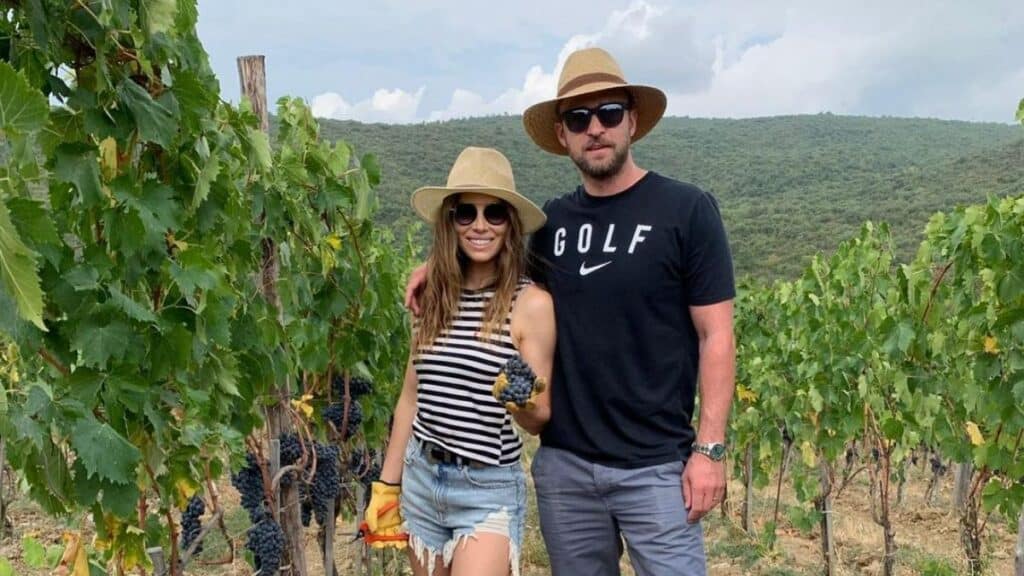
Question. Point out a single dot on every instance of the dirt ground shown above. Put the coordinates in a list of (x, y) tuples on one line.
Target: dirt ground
[(927, 537)]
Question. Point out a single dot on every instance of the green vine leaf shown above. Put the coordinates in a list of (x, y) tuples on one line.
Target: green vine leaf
[(21, 108), (155, 121), (158, 15), (78, 164), (35, 554), (98, 343), (18, 272), (133, 309), (104, 452)]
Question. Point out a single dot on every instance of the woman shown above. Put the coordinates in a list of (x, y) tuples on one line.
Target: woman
[(453, 460)]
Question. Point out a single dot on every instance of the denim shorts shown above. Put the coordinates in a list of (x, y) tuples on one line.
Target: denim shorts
[(443, 504)]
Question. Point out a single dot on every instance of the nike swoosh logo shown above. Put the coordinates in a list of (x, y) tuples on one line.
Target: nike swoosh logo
[(584, 270)]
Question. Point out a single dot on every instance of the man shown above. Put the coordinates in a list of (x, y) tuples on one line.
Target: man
[(639, 269)]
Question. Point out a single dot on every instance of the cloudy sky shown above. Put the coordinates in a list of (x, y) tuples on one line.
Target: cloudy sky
[(419, 60)]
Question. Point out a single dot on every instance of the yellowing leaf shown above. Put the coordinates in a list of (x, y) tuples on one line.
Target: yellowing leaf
[(327, 261), (75, 560), (108, 158), (807, 453), (186, 488), (974, 434), (745, 394), (334, 241), (991, 345), (303, 405)]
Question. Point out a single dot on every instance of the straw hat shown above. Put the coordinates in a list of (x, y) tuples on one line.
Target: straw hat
[(484, 171), (588, 71)]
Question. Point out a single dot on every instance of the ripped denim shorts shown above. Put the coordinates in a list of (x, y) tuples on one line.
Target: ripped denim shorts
[(443, 504)]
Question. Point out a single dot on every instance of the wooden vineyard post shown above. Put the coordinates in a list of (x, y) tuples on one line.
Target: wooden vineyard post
[(156, 555), (828, 545), (748, 489), (329, 540), (1018, 561), (253, 82), (962, 484)]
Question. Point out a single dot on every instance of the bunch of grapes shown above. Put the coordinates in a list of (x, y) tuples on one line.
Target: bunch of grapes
[(851, 453), (291, 452), (335, 415), (938, 468), (326, 482), (357, 386), (190, 525), (249, 483), (266, 541), (520, 378)]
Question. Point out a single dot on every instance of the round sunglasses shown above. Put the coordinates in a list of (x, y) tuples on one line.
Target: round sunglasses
[(610, 114), (465, 214)]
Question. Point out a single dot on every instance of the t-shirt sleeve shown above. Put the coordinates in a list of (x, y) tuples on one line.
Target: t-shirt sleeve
[(707, 261)]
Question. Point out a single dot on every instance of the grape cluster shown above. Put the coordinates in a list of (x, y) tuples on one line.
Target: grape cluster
[(249, 483), (290, 453), (357, 386), (190, 525), (520, 378), (334, 414), (938, 468), (266, 541), (326, 482)]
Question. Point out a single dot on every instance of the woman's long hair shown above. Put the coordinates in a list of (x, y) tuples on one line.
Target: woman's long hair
[(446, 267)]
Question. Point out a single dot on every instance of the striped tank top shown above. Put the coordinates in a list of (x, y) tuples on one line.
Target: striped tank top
[(455, 408)]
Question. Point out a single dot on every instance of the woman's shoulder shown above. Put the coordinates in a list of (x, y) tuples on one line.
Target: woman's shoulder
[(533, 300)]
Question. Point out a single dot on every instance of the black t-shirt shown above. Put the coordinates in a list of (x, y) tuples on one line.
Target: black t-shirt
[(623, 271)]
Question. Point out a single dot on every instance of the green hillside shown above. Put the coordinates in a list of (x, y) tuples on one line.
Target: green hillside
[(788, 186)]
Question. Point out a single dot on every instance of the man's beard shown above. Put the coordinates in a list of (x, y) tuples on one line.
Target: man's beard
[(602, 171)]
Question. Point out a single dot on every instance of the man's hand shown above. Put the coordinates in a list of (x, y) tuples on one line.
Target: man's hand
[(516, 386), (417, 279), (384, 517), (703, 486)]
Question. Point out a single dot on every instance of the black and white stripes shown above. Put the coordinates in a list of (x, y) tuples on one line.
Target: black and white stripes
[(455, 408)]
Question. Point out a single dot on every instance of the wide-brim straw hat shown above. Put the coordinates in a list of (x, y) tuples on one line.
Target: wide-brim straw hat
[(589, 71), (483, 171)]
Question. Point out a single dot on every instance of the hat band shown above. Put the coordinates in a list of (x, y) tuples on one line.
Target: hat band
[(471, 186), (591, 78)]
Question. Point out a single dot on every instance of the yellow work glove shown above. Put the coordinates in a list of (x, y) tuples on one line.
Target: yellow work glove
[(516, 386), (383, 525)]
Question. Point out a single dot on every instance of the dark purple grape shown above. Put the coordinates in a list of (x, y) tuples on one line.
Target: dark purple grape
[(521, 380), (334, 414), (190, 524), (266, 542)]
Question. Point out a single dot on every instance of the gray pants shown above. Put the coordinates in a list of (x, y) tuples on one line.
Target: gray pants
[(585, 508)]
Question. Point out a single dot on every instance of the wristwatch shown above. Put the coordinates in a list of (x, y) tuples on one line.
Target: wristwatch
[(713, 450)]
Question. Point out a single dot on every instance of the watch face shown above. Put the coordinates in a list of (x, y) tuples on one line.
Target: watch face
[(717, 451)]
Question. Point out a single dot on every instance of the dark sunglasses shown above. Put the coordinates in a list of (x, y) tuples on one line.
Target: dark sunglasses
[(465, 214), (577, 120)]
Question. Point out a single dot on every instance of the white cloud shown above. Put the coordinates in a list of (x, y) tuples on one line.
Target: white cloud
[(635, 36), (393, 106), (538, 85), (732, 58)]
